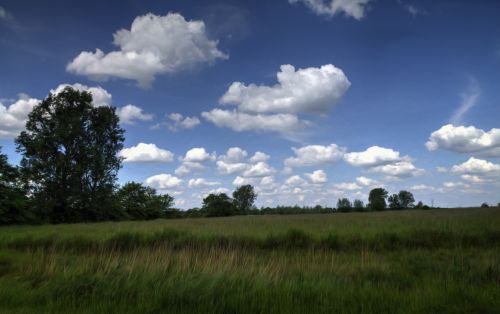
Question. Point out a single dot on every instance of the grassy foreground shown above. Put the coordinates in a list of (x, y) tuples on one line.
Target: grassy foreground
[(436, 261)]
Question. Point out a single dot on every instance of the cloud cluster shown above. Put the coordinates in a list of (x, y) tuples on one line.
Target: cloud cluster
[(383, 160), (163, 182), (153, 45), (178, 121), (276, 108), (352, 8), (235, 162), (313, 155), (462, 139), (100, 96), (13, 117), (193, 161), (129, 114), (146, 153)]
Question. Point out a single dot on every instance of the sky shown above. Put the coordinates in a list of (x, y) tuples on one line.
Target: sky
[(307, 100)]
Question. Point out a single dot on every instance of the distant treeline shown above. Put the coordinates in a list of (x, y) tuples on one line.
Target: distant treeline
[(69, 167)]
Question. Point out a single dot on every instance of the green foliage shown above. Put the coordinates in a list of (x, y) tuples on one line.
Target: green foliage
[(244, 197), (142, 203), (406, 199), (13, 202), (376, 199), (394, 202), (358, 205), (70, 161), (485, 205), (344, 205), (218, 205)]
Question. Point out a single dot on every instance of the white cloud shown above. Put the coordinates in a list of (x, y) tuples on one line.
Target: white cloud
[(198, 154), (373, 156), (146, 153), (317, 177), (309, 90), (473, 178), (100, 96), (353, 8), (218, 191), (400, 169), (312, 155), (463, 139), (13, 118), (469, 100), (234, 155), (365, 181), (181, 122), (239, 181), (187, 167), (259, 156), (475, 166), (295, 180), (200, 182), (260, 169), (129, 114), (267, 181), (163, 181), (349, 186), (240, 121), (231, 168), (422, 187), (153, 45)]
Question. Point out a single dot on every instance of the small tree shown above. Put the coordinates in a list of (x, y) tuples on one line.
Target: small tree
[(419, 205), (13, 202), (358, 205), (406, 199), (485, 205), (394, 202), (142, 203), (244, 197), (344, 205), (377, 198), (218, 205)]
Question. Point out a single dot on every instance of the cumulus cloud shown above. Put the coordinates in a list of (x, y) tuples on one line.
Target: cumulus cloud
[(153, 45), (260, 169), (309, 90), (295, 180), (364, 181), (239, 181), (100, 96), (234, 155), (146, 153), (259, 156), (475, 166), (163, 181), (200, 182), (193, 160), (129, 114), (13, 117), (462, 139), (352, 8), (312, 155), (178, 121), (399, 169), (373, 156), (198, 154), (349, 186), (240, 121), (317, 177)]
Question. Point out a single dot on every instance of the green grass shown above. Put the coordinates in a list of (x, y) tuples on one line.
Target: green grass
[(436, 261)]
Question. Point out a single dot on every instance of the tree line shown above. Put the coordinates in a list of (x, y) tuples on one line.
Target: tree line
[(69, 168)]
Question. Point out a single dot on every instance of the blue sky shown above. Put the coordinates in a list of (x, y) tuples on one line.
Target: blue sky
[(337, 96)]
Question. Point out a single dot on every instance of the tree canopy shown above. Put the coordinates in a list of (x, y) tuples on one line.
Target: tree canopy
[(70, 160)]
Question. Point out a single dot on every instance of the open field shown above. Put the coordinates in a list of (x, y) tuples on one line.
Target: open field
[(435, 261)]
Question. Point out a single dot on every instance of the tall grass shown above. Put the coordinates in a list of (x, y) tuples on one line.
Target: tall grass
[(399, 262)]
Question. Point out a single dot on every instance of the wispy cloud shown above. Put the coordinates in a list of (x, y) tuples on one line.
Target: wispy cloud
[(469, 99)]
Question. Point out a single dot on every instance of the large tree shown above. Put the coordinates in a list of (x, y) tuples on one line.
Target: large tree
[(244, 197), (142, 203), (70, 160), (376, 199), (406, 199), (13, 202)]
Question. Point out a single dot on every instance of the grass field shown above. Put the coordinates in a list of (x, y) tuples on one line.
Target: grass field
[(435, 261)]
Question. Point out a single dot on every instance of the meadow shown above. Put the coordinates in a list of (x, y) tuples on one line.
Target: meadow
[(407, 261)]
